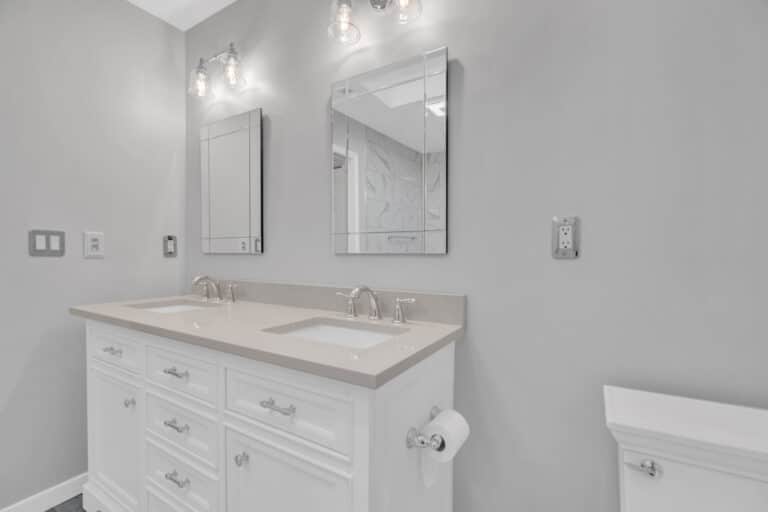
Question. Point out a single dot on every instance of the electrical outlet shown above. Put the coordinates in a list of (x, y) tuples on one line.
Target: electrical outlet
[(565, 238), (93, 245)]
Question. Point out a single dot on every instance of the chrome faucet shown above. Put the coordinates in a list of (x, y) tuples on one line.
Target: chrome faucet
[(210, 285), (374, 308)]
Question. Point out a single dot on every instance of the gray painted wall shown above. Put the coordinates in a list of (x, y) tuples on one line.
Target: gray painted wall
[(91, 137), (646, 118)]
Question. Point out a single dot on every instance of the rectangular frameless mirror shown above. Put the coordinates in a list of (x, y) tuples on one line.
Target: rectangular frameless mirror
[(389, 158), (230, 158)]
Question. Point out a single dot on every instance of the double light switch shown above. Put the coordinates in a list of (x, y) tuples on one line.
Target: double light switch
[(47, 244)]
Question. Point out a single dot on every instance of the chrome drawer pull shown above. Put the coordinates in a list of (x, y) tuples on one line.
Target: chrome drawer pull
[(174, 372), (174, 425), (129, 402), (242, 459), (174, 478), (113, 351), (285, 411), (649, 467)]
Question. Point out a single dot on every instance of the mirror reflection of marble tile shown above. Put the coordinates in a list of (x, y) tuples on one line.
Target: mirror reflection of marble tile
[(389, 159)]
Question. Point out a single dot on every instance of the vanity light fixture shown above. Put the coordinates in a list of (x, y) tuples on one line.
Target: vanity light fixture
[(199, 82), (341, 28), (381, 6), (344, 31), (232, 66), (408, 10)]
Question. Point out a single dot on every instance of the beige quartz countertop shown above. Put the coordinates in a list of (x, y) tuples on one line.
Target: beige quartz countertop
[(239, 329)]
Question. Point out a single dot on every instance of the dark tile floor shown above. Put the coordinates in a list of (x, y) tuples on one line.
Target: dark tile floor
[(73, 505)]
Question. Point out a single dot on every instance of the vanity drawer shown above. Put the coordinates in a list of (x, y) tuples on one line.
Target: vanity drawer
[(182, 373), (183, 428), (191, 486), (303, 412), (158, 503), (113, 346)]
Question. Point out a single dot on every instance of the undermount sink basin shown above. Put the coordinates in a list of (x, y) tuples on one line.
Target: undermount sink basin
[(339, 332), (172, 307)]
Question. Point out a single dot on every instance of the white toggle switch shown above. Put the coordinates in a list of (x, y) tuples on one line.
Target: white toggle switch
[(93, 245), (40, 243)]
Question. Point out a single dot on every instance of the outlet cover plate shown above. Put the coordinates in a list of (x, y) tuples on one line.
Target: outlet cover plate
[(93, 245), (566, 238)]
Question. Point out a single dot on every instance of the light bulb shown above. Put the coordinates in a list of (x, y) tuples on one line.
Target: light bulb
[(408, 10), (341, 28), (381, 6), (198, 83), (232, 67)]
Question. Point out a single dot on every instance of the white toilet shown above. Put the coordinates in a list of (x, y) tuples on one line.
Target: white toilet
[(679, 455)]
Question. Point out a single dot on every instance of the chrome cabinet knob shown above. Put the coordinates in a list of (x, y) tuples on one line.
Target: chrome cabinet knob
[(242, 459), (648, 466)]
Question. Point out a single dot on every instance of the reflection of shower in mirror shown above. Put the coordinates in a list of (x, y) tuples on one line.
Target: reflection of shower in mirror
[(389, 160)]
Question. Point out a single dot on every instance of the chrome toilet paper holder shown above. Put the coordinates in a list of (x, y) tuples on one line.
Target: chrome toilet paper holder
[(416, 439)]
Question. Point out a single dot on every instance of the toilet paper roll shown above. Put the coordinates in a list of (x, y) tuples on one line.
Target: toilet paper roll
[(453, 428), (430, 469)]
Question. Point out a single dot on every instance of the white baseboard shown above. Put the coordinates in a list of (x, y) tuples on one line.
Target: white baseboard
[(49, 498)]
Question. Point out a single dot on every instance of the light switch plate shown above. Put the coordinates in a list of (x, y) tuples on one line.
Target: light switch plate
[(170, 246), (93, 245), (566, 238), (46, 243)]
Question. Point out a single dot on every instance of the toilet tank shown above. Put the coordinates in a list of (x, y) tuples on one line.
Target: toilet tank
[(678, 454)]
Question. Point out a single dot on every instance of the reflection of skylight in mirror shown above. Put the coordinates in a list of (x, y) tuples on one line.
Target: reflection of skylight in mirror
[(400, 102), (437, 108)]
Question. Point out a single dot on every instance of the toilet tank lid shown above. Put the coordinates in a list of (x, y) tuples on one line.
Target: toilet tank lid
[(667, 418)]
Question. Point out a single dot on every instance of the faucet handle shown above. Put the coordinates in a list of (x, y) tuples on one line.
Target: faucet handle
[(399, 315), (203, 286), (230, 294), (351, 303)]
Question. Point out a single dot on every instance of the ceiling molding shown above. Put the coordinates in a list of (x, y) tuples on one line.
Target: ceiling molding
[(182, 14)]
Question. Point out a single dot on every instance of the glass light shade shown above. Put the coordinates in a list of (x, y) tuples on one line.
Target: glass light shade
[(198, 82), (232, 67), (341, 28), (408, 10), (381, 6)]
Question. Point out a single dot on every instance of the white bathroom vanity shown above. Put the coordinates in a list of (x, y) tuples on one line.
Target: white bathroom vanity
[(200, 407)]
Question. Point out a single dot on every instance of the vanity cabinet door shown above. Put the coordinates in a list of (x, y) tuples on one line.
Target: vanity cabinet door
[(262, 476), (114, 407)]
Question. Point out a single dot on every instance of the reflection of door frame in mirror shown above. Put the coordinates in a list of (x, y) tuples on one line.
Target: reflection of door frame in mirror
[(352, 162)]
